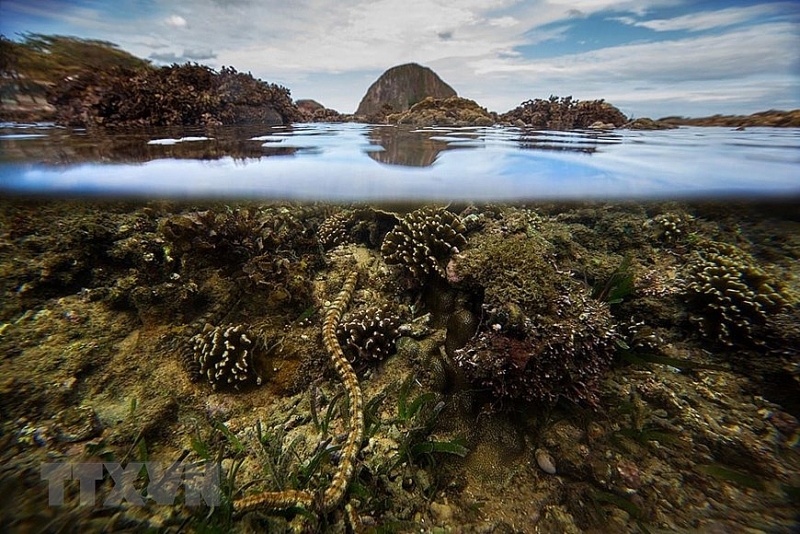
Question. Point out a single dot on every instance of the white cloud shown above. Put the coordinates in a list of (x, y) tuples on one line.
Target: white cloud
[(176, 21), (705, 20), (332, 50)]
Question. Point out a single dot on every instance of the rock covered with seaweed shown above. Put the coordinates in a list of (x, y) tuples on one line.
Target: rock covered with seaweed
[(543, 335), (563, 113), (175, 95), (452, 111)]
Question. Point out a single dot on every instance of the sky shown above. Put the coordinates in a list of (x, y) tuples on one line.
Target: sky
[(650, 58)]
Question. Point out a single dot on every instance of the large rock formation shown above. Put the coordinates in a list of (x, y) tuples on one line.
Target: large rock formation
[(401, 87)]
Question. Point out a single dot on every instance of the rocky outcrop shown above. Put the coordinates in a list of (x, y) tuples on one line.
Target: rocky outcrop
[(313, 111), (644, 123), (565, 113), (453, 111), (176, 95), (399, 88), (770, 118)]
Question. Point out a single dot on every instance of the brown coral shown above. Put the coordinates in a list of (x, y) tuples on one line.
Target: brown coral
[(423, 241), (370, 333), (225, 356), (730, 294)]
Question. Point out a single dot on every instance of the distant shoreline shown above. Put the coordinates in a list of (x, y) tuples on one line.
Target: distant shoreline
[(88, 83), (38, 110), (770, 118)]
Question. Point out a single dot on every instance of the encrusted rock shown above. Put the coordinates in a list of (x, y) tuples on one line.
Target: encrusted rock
[(729, 294), (225, 356), (565, 113), (371, 333), (423, 241)]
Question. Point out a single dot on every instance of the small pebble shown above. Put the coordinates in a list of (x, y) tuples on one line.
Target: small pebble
[(545, 461)]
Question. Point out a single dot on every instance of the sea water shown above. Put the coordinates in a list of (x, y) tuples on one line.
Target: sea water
[(569, 239), (361, 162)]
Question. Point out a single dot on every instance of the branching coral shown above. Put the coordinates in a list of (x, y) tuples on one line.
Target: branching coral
[(730, 294), (333, 230), (670, 227), (225, 356), (371, 333), (423, 241)]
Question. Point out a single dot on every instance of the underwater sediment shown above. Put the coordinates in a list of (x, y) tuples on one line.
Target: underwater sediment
[(544, 367)]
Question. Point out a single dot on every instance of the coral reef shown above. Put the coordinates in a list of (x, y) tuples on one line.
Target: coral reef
[(453, 111), (461, 430), (730, 295), (423, 241), (370, 333), (225, 356), (563, 114)]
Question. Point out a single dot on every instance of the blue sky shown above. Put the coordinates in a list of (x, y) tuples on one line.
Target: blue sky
[(648, 57)]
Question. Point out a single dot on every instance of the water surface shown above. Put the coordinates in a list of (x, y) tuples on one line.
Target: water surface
[(343, 162)]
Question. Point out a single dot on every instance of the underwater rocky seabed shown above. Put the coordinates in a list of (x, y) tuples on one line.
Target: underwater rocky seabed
[(527, 368)]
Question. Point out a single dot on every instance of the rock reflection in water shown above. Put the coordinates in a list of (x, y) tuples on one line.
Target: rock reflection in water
[(62, 146), (405, 147)]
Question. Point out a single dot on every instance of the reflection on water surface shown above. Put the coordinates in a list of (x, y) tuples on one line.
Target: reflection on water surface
[(362, 162)]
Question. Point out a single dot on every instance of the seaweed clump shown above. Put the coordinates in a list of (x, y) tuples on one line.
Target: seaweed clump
[(423, 241), (226, 237), (550, 360), (225, 356), (260, 249), (564, 113), (543, 336), (370, 333), (188, 94), (730, 295)]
